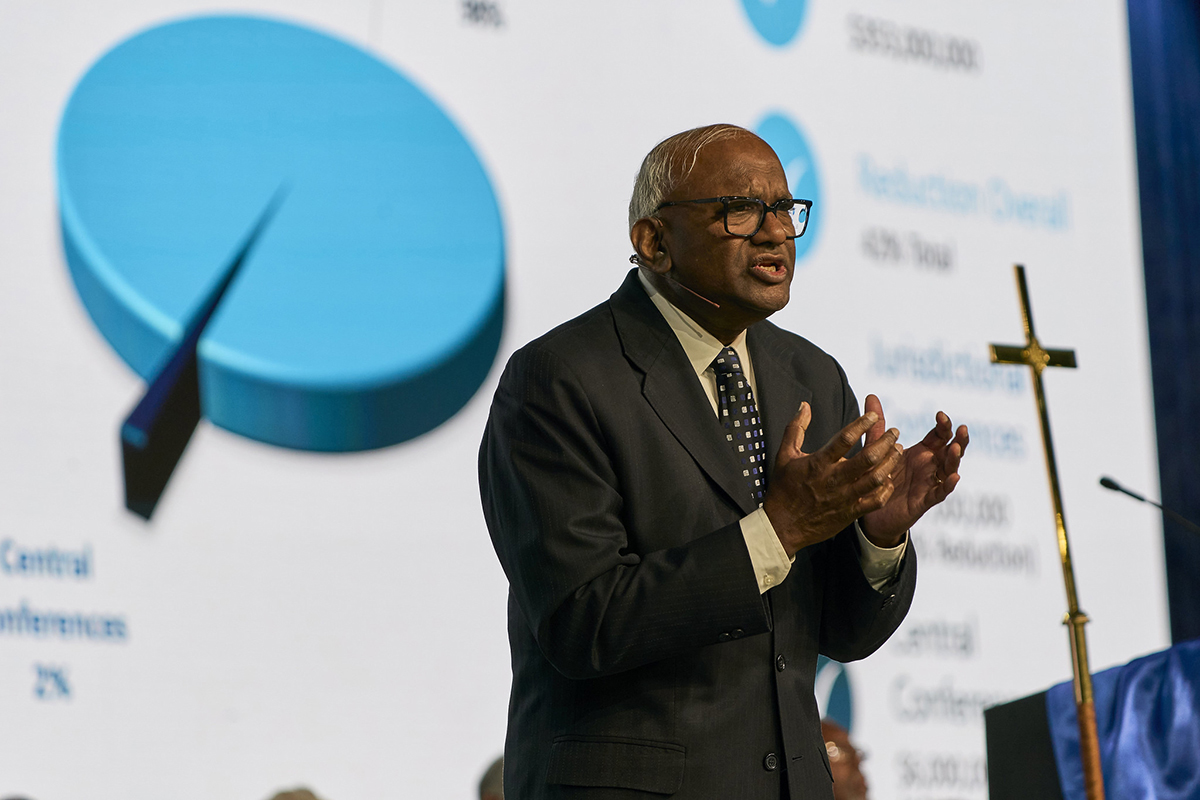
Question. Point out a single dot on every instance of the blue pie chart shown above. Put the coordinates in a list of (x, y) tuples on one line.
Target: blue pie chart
[(370, 307)]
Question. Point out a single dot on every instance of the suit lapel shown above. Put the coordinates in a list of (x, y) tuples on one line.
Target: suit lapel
[(672, 390), (780, 393)]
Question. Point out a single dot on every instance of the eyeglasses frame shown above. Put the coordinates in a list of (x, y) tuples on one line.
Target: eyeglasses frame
[(725, 200)]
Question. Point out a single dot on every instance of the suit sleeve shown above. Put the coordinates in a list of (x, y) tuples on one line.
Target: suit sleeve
[(856, 619), (553, 506)]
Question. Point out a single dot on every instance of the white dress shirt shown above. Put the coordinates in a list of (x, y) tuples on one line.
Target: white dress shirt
[(770, 560)]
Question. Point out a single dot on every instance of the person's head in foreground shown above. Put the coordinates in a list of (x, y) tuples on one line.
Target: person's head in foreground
[(296, 794), (845, 761), (491, 785)]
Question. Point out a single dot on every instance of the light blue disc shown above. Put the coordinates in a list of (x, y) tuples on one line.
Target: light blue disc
[(777, 21), (800, 168), (369, 310)]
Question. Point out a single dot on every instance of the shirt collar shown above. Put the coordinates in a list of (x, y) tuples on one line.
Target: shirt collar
[(700, 346)]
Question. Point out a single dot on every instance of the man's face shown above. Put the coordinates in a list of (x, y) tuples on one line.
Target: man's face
[(749, 278)]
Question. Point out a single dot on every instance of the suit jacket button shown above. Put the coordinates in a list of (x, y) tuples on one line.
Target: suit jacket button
[(780, 662), (738, 633), (724, 637), (771, 762)]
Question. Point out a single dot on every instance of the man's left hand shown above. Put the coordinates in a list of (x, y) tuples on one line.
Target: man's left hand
[(926, 474)]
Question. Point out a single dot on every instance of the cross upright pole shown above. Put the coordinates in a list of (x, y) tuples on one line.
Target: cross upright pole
[(1037, 358)]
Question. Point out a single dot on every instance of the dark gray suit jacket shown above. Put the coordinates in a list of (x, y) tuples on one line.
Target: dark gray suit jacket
[(645, 661)]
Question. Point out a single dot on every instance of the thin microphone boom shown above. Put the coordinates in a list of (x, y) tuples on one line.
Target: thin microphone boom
[(634, 259), (702, 297), (1109, 483)]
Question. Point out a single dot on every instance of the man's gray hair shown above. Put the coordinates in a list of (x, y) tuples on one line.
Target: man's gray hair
[(669, 163)]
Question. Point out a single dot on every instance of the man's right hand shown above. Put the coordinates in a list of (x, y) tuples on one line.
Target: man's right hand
[(812, 497)]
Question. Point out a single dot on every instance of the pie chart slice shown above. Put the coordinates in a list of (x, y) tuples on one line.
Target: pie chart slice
[(370, 307)]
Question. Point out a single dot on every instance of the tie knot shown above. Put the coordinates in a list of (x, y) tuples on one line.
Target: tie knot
[(727, 362)]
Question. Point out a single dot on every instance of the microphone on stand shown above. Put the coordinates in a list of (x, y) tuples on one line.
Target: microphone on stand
[(1109, 483)]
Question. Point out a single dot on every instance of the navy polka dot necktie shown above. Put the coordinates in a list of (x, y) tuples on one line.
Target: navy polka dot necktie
[(738, 413)]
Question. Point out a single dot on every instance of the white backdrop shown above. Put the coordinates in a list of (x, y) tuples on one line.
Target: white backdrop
[(338, 621)]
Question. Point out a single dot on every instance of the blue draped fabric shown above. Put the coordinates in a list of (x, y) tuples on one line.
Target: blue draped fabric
[(1148, 718), (1164, 39)]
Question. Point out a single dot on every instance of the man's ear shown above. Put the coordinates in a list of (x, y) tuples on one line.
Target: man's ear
[(647, 239)]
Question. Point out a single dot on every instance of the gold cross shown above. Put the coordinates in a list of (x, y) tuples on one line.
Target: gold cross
[(1032, 354), (1037, 358)]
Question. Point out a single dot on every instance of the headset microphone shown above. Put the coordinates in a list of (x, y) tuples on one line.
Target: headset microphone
[(636, 259)]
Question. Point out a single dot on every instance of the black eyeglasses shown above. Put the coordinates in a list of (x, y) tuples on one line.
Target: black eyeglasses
[(744, 216)]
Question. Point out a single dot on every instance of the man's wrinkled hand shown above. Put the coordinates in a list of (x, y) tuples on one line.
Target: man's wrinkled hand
[(924, 477), (812, 497)]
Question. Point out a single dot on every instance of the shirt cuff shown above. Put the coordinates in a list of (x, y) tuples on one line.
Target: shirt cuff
[(879, 564), (770, 560)]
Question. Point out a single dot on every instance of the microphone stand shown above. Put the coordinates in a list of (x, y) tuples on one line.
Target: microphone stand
[(1109, 483)]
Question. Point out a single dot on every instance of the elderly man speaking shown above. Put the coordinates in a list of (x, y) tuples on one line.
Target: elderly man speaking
[(677, 493)]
